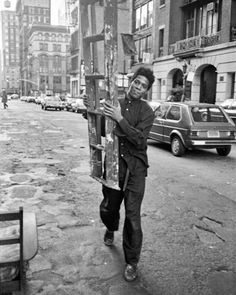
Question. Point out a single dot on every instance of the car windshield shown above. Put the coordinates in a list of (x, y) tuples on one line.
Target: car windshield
[(208, 114), (53, 98)]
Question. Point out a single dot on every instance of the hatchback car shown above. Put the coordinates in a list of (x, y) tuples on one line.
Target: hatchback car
[(230, 108), (78, 106), (69, 102), (52, 102), (189, 125)]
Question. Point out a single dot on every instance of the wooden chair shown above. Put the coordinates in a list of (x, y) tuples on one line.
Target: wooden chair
[(25, 235)]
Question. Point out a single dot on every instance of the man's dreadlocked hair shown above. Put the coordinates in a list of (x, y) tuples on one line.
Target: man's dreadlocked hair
[(146, 72)]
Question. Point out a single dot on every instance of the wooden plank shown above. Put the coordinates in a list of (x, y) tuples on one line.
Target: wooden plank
[(90, 53), (94, 38), (111, 69), (94, 77), (96, 167), (98, 146), (88, 2)]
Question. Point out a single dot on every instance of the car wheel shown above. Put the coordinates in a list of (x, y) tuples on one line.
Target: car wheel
[(224, 151), (177, 147)]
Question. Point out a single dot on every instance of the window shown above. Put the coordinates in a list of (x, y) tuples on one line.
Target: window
[(43, 63), (162, 2), (190, 24), (143, 22), (43, 46), (204, 20), (56, 79), (57, 47), (60, 38), (138, 18), (43, 80), (143, 45), (56, 63), (144, 16), (161, 42), (232, 88), (174, 113), (150, 14)]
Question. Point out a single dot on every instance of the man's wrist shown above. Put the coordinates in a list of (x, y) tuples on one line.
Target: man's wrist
[(119, 119)]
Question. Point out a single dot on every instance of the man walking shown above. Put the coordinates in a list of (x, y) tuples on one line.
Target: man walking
[(134, 118), (4, 99)]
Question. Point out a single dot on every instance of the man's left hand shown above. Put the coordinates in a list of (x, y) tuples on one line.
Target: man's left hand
[(113, 112)]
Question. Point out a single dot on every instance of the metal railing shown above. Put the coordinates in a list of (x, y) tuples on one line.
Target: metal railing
[(193, 43)]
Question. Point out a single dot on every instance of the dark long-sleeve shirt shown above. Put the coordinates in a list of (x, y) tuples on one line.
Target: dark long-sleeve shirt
[(133, 131)]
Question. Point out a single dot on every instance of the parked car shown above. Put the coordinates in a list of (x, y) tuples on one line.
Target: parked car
[(188, 125), (38, 100), (230, 107), (23, 98), (30, 99), (51, 102), (14, 96), (69, 102), (78, 106)]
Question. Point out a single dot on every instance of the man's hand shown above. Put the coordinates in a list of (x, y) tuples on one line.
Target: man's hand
[(112, 112)]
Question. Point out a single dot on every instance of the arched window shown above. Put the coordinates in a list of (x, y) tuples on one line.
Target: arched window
[(60, 37), (43, 63), (57, 63), (46, 37), (40, 36)]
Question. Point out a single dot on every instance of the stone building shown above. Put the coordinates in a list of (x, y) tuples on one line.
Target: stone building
[(29, 12), (10, 51), (193, 47), (48, 59)]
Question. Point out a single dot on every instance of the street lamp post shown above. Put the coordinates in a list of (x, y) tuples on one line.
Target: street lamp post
[(184, 66), (34, 71)]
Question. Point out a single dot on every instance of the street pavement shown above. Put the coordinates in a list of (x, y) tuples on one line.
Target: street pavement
[(45, 167)]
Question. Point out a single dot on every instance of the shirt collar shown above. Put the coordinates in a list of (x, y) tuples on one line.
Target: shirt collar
[(129, 101)]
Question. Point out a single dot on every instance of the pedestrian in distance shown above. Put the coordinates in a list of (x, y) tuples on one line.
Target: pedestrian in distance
[(4, 99), (171, 97), (134, 118)]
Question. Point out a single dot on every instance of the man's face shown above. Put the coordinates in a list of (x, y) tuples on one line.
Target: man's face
[(138, 87)]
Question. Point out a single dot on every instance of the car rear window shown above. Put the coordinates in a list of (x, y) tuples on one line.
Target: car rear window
[(208, 114)]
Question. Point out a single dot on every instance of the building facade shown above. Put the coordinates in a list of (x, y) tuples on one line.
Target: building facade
[(10, 51), (49, 59), (195, 49), (29, 12)]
